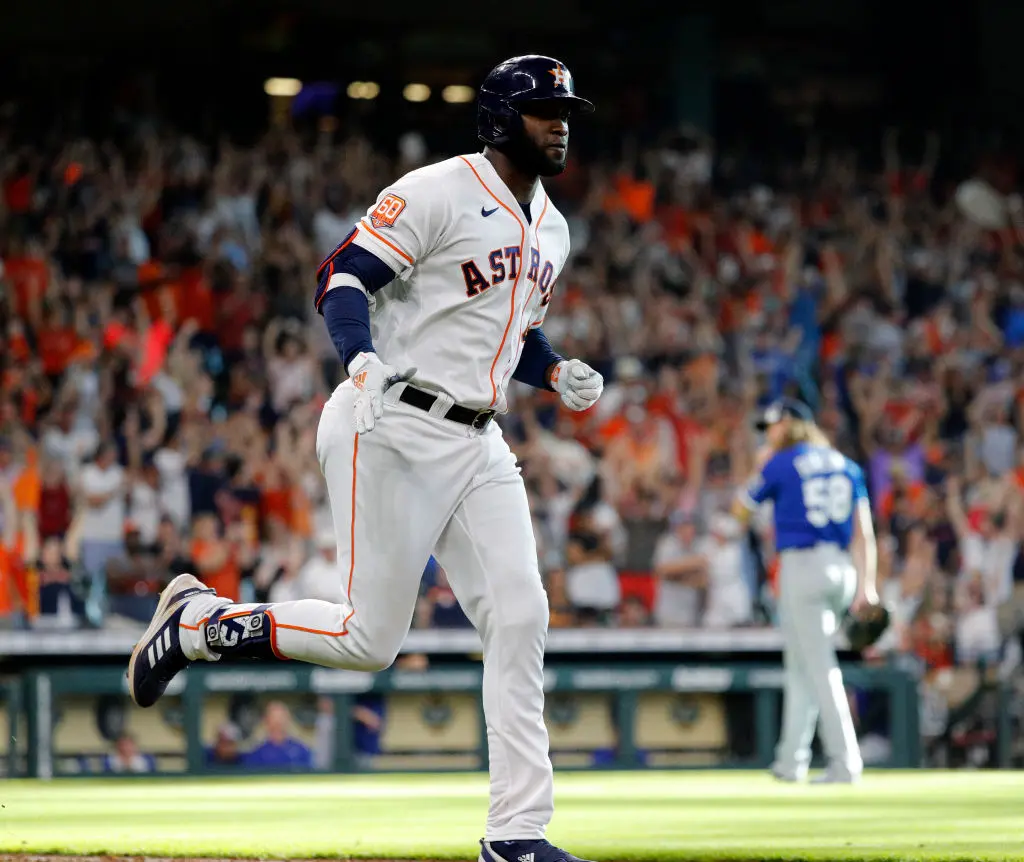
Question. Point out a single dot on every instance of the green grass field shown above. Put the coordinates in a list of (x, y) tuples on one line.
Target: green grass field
[(607, 816)]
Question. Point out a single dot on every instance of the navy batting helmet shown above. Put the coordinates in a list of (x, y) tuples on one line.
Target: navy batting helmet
[(513, 85)]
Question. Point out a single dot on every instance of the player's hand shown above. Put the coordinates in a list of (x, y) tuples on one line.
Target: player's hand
[(372, 378), (865, 598), (578, 384)]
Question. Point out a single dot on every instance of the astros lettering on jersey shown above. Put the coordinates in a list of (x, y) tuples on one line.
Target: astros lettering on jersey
[(473, 275)]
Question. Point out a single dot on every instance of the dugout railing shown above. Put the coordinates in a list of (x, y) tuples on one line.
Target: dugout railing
[(692, 699)]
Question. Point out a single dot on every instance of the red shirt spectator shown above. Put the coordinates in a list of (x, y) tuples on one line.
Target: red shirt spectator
[(30, 278), (56, 346), (54, 502), (196, 299), (18, 193)]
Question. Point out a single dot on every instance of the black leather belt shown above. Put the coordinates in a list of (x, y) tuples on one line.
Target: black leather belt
[(478, 419)]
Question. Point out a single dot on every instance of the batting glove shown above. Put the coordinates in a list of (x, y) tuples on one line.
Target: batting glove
[(372, 378), (578, 384)]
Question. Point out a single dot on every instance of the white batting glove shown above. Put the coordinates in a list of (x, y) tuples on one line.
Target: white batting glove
[(578, 384), (372, 378)]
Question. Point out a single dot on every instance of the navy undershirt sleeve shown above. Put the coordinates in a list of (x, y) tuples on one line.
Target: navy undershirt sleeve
[(347, 315), (537, 357)]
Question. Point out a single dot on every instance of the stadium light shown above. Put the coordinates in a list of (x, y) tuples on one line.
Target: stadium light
[(457, 94), (287, 87), (363, 90), (416, 92)]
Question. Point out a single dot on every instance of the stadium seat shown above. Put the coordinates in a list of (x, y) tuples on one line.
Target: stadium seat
[(75, 732), (153, 734), (213, 715), (669, 726), (427, 722), (579, 724)]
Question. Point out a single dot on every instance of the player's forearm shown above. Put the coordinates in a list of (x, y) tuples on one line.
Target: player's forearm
[(537, 361), (347, 315), (345, 281), (865, 559)]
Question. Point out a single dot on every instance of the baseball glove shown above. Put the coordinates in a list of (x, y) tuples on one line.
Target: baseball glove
[(866, 627)]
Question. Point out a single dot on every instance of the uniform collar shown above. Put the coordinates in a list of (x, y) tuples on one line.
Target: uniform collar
[(496, 186)]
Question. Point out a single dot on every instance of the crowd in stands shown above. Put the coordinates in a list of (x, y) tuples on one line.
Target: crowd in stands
[(162, 369)]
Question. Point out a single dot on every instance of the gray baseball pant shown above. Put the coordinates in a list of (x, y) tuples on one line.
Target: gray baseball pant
[(816, 586)]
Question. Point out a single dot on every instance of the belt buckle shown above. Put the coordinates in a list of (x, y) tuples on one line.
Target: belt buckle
[(481, 420)]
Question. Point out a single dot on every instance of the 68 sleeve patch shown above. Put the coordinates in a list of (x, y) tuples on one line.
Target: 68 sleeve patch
[(387, 211)]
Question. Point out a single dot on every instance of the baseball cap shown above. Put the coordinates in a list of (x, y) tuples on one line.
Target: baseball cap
[(780, 409)]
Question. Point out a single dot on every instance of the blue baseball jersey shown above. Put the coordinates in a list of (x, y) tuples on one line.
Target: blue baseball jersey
[(815, 490)]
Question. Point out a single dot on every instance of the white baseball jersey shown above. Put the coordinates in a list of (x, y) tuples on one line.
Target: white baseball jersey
[(473, 276)]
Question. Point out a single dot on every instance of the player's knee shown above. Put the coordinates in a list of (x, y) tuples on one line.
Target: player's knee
[(524, 617), (379, 654), (376, 661)]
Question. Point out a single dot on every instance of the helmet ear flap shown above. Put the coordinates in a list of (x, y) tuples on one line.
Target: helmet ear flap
[(497, 123)]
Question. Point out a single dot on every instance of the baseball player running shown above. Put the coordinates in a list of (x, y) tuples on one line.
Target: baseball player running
[(434, 300), (821, 511)]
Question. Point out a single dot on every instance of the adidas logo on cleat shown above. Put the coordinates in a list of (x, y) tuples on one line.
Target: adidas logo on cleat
[(158, 647)]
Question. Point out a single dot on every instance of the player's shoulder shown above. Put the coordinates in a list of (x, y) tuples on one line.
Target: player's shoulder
[(853, 468), (842, 460), (834, 460), (435, 175), (782, 458)]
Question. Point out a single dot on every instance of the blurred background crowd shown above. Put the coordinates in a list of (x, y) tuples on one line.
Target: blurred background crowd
[(162, 368)]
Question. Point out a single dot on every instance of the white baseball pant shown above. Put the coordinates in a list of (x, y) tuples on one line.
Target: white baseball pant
[(414, 485)]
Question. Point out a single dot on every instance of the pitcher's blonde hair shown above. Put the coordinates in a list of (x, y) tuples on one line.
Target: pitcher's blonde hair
[(803, 431)]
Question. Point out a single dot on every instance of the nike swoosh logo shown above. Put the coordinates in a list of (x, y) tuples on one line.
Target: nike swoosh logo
[(486, 212)]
